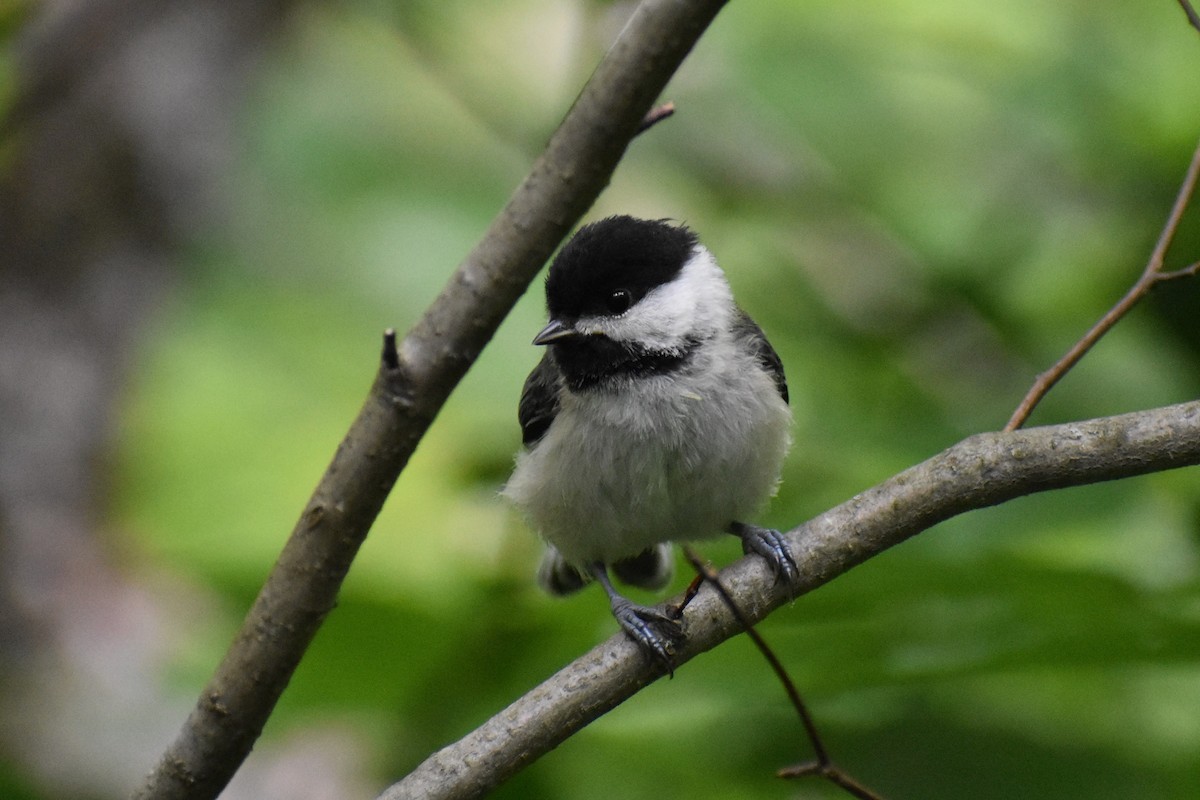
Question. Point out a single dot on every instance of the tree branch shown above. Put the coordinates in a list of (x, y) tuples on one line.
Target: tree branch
[(983, 470), (1192, 16), (412, 384), (1151, 276)]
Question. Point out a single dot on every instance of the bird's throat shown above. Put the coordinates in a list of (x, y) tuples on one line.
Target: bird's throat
[(595, 361)]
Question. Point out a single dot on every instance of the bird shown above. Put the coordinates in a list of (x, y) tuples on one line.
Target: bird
[(658, 413)]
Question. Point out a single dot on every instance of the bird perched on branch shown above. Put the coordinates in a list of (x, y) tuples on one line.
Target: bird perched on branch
[(658, 413)]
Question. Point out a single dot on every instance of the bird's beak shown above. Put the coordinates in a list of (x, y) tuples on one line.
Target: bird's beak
[(555, 332)]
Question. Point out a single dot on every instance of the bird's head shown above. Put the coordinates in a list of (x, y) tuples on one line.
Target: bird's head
[(627, 294)]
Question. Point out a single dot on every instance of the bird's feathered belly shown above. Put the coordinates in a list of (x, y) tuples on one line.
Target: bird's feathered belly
[(614, 478)]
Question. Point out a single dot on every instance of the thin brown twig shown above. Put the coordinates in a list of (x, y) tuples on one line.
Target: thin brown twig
[(1193, 17), (1190, 271), (676, 610), (810, 726), (823, 765), (830, 773), (1151, 276)]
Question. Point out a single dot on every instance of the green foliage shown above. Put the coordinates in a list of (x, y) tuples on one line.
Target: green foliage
[(923, 203)]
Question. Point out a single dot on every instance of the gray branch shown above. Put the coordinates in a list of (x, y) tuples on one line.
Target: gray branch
[(411, 387), (981, 471)]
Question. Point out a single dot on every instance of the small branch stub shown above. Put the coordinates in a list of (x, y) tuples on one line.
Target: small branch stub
[(655, 116), (391, 358)]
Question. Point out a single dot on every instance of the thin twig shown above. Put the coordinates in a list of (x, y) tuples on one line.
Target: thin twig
[(823, 766), (1190, 271), (830, 773), (847, 782), (676, 609), (1151, 276), (789, 686), (1193, 17)]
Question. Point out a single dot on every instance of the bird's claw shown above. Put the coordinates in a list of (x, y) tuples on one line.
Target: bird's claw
[(771, 545), (654, 631)]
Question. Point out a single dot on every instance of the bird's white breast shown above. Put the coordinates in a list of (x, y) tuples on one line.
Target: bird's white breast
[(655, 458)]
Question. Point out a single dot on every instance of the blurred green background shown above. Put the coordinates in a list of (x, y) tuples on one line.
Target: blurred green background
[(924, 203)]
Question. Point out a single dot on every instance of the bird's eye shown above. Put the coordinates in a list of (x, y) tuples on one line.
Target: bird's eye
[(619, 301)]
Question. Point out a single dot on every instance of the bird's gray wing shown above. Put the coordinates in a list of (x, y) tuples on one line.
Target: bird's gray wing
[(539, 401), (747, 329)]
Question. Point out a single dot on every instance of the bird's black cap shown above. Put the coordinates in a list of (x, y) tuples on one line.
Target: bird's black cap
[(616, 253)]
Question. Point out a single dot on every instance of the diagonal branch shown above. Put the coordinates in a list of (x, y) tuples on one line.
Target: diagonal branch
[(412, 384), (1151, 276), (1192, 16), (983, 470)]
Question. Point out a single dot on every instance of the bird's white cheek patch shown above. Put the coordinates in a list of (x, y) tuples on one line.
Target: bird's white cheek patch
[(693, 305)]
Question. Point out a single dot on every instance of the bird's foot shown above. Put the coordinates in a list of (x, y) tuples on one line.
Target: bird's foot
[(654, 631), (771, 545)]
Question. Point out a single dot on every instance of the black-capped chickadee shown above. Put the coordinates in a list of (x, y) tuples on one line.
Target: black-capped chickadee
[(658, 413)]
